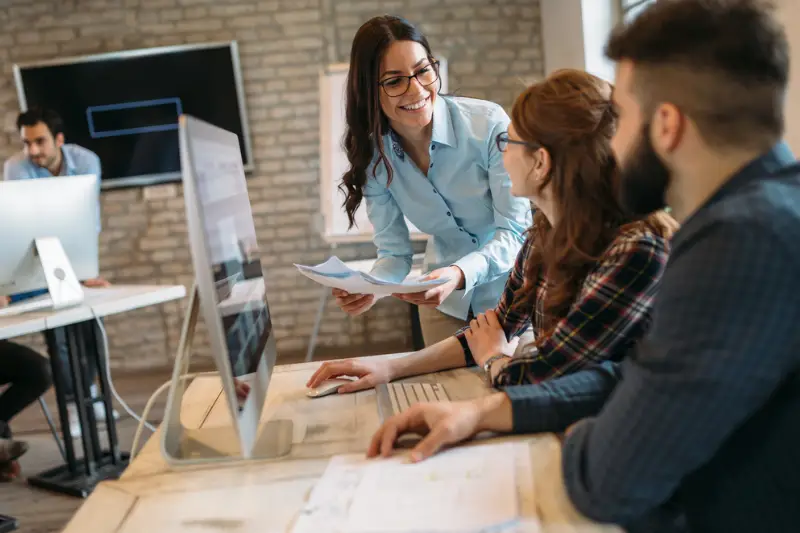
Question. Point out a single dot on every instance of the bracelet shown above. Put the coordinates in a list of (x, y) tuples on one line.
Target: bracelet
[(487, 366)]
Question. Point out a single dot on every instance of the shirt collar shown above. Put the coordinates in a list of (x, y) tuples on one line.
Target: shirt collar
[(442, 125), (776, 158), (67, 163), (442, 132)]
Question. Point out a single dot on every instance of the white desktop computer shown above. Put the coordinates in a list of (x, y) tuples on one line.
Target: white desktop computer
[(48, 238), (231, 295)]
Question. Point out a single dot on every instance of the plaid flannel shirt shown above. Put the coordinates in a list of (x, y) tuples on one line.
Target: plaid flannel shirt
[(611, 311)]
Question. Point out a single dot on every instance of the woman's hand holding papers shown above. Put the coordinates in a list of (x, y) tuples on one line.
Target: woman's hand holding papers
[(435, 296), (353, 304)]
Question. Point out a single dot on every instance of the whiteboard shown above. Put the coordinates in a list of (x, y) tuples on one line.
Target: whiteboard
[(333, 160)]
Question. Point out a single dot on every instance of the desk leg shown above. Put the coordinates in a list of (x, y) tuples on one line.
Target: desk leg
[(56, 338), (417, 340), (77, 362), (312, 342), (105, 393), (98, 465)]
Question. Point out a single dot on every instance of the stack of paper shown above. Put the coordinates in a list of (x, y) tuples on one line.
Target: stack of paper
[(334, 273), (463, 490)]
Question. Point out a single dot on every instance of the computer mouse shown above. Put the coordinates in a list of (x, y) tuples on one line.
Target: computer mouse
[(327, 387)]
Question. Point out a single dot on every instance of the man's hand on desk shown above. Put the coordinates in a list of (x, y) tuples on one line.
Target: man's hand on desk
[(434, 297), (443, 424), (370, 373), (4, 301), (96, 283)]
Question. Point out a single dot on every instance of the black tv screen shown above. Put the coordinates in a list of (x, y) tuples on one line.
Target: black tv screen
[(124, 106)]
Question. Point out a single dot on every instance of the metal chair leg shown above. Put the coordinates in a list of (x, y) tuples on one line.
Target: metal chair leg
[(53, 430), (312, 342)]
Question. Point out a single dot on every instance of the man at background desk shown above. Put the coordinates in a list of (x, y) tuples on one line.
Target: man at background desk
[(44, 155)]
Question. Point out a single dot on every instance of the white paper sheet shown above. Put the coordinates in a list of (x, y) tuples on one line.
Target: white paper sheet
[(336, 274), (463, 490)]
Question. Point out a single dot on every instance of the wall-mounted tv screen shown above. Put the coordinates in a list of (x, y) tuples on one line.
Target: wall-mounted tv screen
[(124, 106)]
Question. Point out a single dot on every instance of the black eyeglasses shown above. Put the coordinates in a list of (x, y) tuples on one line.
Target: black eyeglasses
[(398, 85), (503, 141)]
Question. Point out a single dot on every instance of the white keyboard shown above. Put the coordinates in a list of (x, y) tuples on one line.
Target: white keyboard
[(401, 396), (39, 303)]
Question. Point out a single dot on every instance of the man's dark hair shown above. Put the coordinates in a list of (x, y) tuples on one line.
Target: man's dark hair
[(48, 117), (725, 63)]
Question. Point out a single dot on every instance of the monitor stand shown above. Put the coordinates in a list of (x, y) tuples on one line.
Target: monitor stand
[(183, 446), (64, 287)]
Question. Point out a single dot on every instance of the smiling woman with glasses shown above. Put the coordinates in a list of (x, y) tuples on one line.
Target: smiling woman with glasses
[(417, 154)]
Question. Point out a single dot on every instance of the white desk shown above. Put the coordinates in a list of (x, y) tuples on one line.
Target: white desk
[(98, 302), (74, 327), (265, 496)]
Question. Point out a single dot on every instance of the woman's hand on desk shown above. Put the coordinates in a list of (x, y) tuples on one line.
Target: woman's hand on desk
[(242, 389), (487, 338), (434, 297), (443, 424), (4, 301), (353, 304), (370, 373)]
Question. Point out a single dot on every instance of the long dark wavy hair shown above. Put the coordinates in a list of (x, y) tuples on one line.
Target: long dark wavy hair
[(366, 123), (570, 115)]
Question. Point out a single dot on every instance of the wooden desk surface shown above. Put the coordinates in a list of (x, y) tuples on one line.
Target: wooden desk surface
[(265, 496)]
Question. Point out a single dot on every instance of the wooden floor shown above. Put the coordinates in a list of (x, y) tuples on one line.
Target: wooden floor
[(40, 511)]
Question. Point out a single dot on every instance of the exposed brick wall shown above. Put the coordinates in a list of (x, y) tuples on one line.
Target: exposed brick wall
[(491, 45)]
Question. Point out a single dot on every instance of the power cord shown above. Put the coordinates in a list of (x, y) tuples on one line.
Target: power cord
[(142, 420), (151, 402)]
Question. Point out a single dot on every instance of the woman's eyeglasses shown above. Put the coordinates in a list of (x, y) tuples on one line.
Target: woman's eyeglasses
[(398, 85), (503, 141)]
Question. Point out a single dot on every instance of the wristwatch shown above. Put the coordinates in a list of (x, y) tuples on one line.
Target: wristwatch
[(487, 366)]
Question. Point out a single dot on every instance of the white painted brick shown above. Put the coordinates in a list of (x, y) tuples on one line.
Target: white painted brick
[(292, 17), (168, 15), (199, 25), (268, 5), (301, 29), (25, 37), (249, 21), (195, 12)]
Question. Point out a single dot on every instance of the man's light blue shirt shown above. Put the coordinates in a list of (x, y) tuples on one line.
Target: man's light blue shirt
[(464, 204), (78, 161)]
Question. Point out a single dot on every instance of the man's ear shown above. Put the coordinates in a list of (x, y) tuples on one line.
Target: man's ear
[(59, 140), (667, 128)]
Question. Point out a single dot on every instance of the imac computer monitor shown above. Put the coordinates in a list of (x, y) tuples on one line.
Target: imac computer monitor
[(228, 271), (63, 207)]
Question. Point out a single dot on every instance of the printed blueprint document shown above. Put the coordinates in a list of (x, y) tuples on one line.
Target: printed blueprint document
[(462, 490)]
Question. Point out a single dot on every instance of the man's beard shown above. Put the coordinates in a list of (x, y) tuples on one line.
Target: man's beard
[(43, 162), (643, 179)]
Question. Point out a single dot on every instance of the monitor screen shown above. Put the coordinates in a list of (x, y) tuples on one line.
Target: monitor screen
[(125, 106), (233, 255)]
